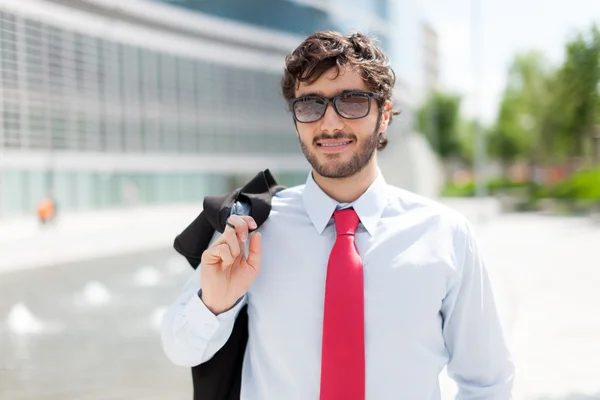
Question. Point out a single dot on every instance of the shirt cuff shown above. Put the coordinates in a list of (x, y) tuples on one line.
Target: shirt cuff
[(203, 322), (234, 306)]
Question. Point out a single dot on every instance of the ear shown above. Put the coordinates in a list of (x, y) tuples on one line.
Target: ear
[(385, 116)]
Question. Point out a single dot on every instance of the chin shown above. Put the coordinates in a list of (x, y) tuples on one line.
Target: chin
[(336, 170)]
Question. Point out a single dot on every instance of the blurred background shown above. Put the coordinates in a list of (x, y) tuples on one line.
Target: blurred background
[(119, 116)]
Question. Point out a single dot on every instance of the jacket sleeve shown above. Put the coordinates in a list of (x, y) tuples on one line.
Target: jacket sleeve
[(480, 362), (190, 333)]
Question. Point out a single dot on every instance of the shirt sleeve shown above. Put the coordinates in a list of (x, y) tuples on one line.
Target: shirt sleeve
[(480, 362), (190, 333)]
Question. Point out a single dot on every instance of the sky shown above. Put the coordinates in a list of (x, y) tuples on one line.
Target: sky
[(506, 27)]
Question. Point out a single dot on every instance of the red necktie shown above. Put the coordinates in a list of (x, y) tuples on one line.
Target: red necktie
[(343, 351)]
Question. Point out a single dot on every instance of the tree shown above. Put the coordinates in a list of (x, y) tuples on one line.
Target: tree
[(466, 140), (438, 120), (504, 142), (577, 89), (521, 119)]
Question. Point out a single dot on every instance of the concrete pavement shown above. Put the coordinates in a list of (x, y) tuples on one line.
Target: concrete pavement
[(87, 235), (545, 271), (78, 236)]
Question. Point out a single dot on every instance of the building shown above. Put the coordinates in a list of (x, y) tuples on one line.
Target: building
[(108, 103), (431, 57), (409, 161), (299, 17)]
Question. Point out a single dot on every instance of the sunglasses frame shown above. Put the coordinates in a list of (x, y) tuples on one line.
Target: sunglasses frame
[(332, 100)]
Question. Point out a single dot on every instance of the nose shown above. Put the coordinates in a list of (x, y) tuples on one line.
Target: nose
[(331, 121)]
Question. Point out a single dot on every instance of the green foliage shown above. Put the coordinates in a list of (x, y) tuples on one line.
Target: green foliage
[(494, 186), (519, 127), (547, 116), (577, 91), (466, 139), (583, 185), (438, 120)]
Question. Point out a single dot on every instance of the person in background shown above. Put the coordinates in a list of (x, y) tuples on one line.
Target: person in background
[(46, 210)]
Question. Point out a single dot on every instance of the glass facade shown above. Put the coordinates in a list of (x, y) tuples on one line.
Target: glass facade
[(299, 17), (283, 15), (84, 190), (63, 91), (67, 91)]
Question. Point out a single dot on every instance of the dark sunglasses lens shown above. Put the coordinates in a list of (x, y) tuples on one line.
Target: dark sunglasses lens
[(353, 105), (309, 109)]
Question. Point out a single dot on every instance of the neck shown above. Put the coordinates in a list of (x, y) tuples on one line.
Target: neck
[(347, 190)]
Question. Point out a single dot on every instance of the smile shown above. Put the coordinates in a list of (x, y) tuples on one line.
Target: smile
[(334, 146), (337, 144)]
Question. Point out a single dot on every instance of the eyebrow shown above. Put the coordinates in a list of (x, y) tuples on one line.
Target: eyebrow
[(337, 93)]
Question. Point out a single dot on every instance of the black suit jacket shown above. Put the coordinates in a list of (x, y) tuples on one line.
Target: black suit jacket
[(220, 378)]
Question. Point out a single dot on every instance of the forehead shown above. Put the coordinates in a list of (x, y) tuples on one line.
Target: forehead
[(331, 83)]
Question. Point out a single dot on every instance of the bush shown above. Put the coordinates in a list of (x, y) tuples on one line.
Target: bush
[(494, 186), (583, 185)]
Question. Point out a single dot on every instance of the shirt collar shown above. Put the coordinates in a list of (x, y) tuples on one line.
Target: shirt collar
[(369, 206)]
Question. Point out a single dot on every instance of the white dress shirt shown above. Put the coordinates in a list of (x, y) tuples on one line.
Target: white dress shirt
[(428, 302)]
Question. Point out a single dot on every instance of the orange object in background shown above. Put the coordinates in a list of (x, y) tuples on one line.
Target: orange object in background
[(46, 210)]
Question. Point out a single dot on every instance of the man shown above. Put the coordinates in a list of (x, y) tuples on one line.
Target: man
[(355, 289)]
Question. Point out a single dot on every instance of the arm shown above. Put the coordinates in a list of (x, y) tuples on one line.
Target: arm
[(191, 334), (480, 362)]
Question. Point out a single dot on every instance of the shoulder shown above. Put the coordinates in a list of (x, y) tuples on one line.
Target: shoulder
[(448, 224), (408, 202), (294, 192), (288, 196), (287, 201), (287, 210)]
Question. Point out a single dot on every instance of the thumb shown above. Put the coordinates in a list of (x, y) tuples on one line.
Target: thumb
[(254, 251)]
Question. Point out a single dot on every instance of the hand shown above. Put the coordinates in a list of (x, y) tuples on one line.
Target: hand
[(226, 274)]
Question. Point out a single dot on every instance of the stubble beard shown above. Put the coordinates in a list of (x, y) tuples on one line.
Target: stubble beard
[(334, 168)]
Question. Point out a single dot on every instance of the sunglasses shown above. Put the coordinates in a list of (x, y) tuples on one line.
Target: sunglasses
[(348, 105)]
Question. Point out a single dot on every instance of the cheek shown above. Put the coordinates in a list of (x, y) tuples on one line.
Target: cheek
[(364, 127), (306, 132)]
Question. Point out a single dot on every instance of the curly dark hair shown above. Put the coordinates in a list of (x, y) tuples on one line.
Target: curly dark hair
[(324, 50)]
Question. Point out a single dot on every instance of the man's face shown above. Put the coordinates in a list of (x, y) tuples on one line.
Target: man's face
[(337, 147)]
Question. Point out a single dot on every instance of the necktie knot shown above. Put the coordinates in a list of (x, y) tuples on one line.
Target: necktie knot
[(346, 221)]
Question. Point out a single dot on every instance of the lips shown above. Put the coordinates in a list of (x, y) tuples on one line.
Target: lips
[(334, 144)]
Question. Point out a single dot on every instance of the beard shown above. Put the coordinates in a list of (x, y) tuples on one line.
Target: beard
[(338, 169)]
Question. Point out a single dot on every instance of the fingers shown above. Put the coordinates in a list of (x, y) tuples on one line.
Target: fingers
[(218, 254), (230, 245), (255, 251), (232, 241), (224, 252), (241, 225)]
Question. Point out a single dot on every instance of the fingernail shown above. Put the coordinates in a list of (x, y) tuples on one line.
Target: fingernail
[(244, 237), (253, 225)]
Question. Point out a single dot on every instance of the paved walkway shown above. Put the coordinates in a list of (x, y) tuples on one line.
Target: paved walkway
[(545, 271), (24, 243), (78, 236), (546, 274), (549, 269)]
